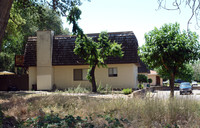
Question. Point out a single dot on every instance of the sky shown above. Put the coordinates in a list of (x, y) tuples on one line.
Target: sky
[(139, 16)]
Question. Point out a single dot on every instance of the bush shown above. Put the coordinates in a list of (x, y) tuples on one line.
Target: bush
[(105, 89), (79, 89), (54, 121), (140, 86), (142, 78), (149, 80), (127, 91), (69, 121)]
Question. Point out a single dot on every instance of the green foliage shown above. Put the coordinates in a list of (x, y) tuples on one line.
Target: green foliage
[(184, 73), (53, 120), (149, 80), (105, 89), (142, 78), (6, 61), (127, 91), (196, 69), (140, 86), (170, 47), (57, 122), (169, 50), (78, 89), (112, 122), (95, 53), (24, 22)]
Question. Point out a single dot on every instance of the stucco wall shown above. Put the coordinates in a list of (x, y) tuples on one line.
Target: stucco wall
[(63, 76), (44, 57), (44, 78), (127, 76), (32, 76), (153, 77)]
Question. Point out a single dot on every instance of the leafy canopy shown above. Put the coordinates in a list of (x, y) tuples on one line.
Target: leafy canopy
[(95, 53), (169, 48)]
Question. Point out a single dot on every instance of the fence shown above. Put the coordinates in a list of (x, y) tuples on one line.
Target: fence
[(13, 82)]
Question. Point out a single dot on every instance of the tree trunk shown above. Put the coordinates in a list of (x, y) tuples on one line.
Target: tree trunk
[(172, 85), (5, 6), (94, 87)]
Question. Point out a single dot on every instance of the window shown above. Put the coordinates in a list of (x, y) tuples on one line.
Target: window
[(80, 74), (112, 72)]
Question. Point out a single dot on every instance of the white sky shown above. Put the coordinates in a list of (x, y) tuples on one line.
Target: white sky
[(139, 16)]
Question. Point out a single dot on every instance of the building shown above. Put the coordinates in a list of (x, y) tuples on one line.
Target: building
[(50, 61)]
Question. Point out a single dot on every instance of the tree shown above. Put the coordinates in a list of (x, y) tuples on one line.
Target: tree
[(22, 24), (60, 6), (96, 53), (169, 49), (5, 6), (184, 73), (196, 70), (193, 5)]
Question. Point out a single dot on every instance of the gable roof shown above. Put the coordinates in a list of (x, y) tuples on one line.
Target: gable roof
[(63, 49)]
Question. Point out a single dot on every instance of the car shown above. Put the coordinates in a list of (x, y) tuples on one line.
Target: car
[(185, 87), (178, 81), (194, 83)]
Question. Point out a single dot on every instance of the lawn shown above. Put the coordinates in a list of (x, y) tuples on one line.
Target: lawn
[(59, 110)]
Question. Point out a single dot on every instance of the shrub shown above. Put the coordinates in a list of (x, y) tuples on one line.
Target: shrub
[(149, 80), (140, 86), (142, 78), (105, 89), (54, 121), (78, 89), (69, 121), (127, 91)]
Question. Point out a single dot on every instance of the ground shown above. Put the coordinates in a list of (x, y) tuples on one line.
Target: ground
[(166, 94), (154, 110)]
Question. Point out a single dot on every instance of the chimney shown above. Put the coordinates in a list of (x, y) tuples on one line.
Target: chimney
[(44, 60)]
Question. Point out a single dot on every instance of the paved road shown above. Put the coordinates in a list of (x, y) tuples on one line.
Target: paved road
[(166, 94)]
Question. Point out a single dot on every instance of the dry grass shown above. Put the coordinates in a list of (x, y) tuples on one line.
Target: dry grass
[(140, 112)]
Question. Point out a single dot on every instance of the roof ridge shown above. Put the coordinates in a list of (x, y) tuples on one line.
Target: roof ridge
[(32, 38)]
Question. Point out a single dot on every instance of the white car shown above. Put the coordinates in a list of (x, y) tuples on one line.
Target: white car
[(194, 83)]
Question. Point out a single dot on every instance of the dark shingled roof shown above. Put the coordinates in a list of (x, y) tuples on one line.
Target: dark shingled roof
[(63, 49), (143, 68)]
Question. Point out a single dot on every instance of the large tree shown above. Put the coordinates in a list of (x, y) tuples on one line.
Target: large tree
[(60, 6), (169, 49), (24, 23), (95, 53)]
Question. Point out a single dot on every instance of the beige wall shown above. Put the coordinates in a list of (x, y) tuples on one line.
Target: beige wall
[(153, 77), (44, 78), (127, 76), (32, 76), (44, 56), (63, 76)]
